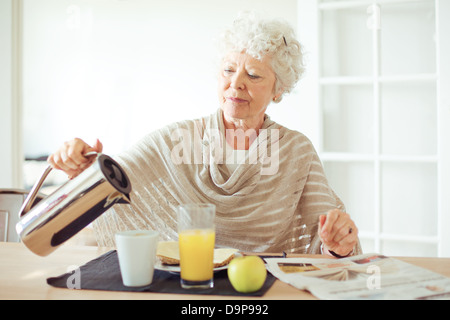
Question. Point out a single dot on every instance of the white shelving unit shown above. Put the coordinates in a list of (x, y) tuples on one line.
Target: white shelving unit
[(381, 120)]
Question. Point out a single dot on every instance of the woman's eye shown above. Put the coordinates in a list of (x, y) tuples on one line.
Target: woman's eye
[(253, 76)]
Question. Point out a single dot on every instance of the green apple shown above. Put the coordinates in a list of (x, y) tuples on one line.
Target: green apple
[(247, 274)]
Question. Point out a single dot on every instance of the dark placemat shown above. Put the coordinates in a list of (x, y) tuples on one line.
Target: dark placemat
[(103, 273)]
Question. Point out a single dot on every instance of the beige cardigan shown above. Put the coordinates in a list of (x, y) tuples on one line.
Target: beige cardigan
[(270, 203)]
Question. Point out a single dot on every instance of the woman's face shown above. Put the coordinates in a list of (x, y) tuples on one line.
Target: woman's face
[(246, 87)]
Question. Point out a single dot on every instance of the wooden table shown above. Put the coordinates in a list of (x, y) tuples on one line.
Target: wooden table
[(23, 276)]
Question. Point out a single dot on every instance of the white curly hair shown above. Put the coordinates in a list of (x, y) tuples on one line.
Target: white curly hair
[(259, 37)]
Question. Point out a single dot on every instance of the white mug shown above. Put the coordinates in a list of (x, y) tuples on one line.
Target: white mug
[(136, 250)]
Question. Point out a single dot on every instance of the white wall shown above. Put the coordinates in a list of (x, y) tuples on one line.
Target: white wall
[(116, 70), (5, 92), (10, 144)]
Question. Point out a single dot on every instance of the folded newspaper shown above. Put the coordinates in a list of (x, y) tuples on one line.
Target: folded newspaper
[(368, 276)]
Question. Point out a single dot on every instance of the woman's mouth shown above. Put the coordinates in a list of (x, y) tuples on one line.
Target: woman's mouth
[(236, 100)]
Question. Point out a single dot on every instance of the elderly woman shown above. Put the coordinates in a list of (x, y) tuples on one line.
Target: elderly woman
[(267, 182)]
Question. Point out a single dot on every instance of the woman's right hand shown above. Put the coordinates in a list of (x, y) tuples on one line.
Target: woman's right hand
[(69, 158)]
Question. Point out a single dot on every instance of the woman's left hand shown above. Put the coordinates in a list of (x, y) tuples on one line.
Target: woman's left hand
[(338, 232)]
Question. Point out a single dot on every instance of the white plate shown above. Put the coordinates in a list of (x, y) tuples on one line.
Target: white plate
[(176, 268)]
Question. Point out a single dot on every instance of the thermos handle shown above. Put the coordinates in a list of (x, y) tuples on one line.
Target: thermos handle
[(26, 206)]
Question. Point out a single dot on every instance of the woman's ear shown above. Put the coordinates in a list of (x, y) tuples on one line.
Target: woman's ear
[(278, 96)]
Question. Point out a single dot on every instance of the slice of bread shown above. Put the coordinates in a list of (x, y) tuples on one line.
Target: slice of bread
[(223, 256), (168, 253)]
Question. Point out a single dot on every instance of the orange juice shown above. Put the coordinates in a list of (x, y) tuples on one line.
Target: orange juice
[(196, 254)]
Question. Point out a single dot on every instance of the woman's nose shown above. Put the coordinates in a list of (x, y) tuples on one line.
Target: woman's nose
[(238, 81)]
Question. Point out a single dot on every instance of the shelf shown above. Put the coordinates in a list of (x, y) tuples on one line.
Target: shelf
[(349, 80), (379, 84), (345, 80), (363, 3), (362, 157), (398, 237)]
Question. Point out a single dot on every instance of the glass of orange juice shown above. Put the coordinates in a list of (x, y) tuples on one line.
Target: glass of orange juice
[(196, 238)]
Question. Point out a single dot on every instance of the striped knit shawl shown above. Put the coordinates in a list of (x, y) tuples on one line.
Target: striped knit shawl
[(270, 203)]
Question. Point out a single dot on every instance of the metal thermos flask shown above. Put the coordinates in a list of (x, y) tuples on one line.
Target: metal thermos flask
[(73, 206)]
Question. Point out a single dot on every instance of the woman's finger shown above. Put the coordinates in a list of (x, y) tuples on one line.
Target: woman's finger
[(338, 232), (343, 229), (326, 230)]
